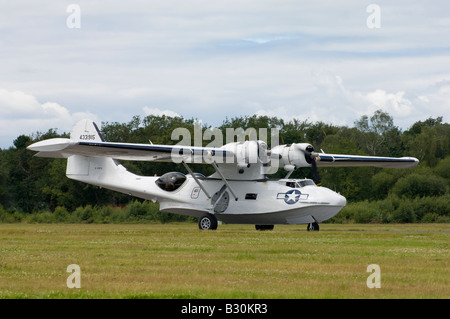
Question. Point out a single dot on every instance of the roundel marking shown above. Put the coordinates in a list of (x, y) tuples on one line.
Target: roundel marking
[(292, 196)]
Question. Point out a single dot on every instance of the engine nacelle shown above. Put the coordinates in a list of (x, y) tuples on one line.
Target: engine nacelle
[(296, 155), (246, 153)]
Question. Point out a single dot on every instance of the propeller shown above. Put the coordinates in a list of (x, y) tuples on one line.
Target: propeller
[(310, 157)]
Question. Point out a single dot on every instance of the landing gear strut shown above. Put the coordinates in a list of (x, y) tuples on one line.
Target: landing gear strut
[(313, 227), (207, 222)]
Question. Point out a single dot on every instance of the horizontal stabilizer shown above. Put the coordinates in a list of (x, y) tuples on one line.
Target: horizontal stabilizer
[(51, 145), (51, 155)]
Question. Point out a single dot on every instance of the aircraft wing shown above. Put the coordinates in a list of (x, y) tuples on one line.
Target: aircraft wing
[(359, 160), (303, 155), (64, 147), (86, 140)]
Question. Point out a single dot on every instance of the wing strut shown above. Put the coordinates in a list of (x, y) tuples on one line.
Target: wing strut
[(224, 179), (290, 169), (196, 179)]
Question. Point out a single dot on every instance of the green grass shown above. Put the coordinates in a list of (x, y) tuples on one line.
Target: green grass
[(179, 261)]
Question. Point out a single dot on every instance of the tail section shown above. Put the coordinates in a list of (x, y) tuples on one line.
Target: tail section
[(88, 168), (78, 165), (101, 171)]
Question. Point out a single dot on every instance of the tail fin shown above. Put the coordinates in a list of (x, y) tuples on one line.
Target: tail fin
[(95, 170), (86, 130)]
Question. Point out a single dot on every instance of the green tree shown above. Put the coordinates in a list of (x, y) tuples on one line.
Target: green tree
[(380, 136), (442, 169), (4, 174), (428, 142), (420, 185)]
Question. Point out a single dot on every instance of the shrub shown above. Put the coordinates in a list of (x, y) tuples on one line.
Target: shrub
[(359, 212), (430, 218), (404, 213), (61, 214), (420, 185), (6, 217), (382, 182), (83, 215), (136, 211), (41, 218)]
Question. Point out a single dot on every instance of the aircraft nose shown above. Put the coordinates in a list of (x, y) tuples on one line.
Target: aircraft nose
[(337, 200), (341, 200), (334, 198)]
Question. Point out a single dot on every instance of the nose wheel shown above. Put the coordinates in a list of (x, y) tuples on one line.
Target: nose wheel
[(313, 227)]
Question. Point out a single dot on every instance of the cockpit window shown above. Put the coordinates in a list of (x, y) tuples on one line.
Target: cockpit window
[(290, 184), (300, 184), (304, 183), (171, 181)]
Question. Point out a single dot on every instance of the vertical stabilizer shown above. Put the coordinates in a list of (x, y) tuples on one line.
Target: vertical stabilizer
[(96, 170), (84, 130), (87, 131)]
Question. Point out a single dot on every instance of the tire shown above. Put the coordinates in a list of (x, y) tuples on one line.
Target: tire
[(207, 222), (313, 227), (264, 227)]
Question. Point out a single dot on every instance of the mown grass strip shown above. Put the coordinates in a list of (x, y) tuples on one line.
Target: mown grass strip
[(179, 261)]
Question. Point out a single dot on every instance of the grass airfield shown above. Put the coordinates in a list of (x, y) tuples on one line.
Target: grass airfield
[(235, 261)]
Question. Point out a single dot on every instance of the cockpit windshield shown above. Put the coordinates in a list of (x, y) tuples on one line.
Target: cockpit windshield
[(304, 183), (300, 184)]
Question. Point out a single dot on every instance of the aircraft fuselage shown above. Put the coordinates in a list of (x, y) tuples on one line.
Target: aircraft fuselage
[(284, 201), (264, 202)]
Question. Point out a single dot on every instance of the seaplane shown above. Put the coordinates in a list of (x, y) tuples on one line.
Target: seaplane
[(238, 192)]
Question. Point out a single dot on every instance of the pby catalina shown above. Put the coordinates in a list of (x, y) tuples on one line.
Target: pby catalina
[(239, 191)]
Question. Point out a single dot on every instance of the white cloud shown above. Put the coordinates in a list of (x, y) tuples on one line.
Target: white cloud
[(435, 99), (357, 103), (332, 102), (395, 103), (21, 113), (157, 112)]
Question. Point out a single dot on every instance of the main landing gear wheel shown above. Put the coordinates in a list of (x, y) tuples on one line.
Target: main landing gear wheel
[(207, 222), (264, 227), (313, 227)]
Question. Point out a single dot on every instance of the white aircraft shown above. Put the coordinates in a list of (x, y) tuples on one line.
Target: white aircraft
[(239, 192)]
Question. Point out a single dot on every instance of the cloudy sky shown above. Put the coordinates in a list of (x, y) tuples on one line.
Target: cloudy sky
[(330, 61)]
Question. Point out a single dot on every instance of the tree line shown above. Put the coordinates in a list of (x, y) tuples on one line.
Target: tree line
[(36, 190)]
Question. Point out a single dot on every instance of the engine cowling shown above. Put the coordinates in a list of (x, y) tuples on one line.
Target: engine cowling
[(247, 153), (292, 155)]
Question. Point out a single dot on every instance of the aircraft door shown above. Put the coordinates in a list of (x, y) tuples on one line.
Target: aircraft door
[(220, 200)]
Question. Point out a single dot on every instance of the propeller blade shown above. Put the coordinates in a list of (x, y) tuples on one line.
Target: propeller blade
[(315, 172), (310, 157)]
